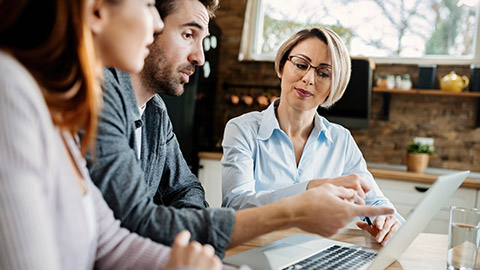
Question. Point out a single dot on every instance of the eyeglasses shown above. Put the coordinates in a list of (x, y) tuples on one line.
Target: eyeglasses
[(302, 66)]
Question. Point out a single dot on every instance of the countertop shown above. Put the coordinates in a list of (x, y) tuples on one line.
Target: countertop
[(397, 172)]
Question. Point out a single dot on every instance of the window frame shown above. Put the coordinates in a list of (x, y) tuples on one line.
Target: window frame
[(251, 37)]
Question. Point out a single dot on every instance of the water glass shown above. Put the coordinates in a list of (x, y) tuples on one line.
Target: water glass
[(463, 238)]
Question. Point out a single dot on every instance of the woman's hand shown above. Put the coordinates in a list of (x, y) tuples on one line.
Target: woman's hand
[(383, 228), (351, 181), (193, 255)]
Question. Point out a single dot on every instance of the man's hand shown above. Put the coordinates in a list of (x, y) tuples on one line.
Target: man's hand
[(322, 210), (327, 208), (351, 181), (383, 228), (192, 255)]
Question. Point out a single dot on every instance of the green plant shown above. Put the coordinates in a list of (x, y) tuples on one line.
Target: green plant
[(419, 148)]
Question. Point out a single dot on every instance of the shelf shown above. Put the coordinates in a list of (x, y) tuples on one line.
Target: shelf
[(433, 92)]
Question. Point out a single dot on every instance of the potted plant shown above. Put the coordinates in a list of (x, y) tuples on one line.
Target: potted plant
[(418, 155)]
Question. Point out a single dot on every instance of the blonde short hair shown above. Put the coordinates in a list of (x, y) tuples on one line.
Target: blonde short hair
[(341, 63)]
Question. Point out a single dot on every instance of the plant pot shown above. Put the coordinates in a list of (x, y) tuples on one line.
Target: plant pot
[(417, 162)]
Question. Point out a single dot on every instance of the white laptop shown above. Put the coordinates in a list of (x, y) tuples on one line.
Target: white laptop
[(303, 251)]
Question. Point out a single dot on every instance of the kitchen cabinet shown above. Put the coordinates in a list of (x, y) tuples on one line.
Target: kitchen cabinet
[(403, 189), (210, 175), (478, 200), (405, 196)]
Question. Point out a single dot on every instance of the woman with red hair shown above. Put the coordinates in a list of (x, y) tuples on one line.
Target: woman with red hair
[(51, 215)]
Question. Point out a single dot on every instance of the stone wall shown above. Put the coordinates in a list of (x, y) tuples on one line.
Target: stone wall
[(449, 120)]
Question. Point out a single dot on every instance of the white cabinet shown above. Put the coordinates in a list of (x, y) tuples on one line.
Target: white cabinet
[(210, 175), (406, 195), (478, 200)]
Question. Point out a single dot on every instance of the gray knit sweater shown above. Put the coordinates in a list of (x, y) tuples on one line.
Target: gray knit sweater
[(156, 196)]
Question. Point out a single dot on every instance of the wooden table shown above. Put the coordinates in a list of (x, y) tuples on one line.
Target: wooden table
[(428, 251)]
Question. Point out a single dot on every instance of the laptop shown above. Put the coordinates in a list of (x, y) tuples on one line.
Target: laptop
[(303, 251)]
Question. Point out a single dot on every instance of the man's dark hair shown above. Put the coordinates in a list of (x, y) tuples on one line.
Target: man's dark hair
[(167, 7)]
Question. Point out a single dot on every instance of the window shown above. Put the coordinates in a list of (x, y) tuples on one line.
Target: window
[(394, 31)]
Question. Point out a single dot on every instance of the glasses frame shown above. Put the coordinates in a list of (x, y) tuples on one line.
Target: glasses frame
[(318, 73)]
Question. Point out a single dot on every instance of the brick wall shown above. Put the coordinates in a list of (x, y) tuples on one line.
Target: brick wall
[(449, 120)]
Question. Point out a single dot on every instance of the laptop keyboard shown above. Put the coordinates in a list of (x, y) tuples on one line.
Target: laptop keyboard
[(335, 257)]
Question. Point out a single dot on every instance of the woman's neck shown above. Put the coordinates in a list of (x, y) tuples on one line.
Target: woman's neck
[(295, 123)]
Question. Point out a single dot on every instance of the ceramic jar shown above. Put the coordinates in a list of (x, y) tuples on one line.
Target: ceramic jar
[(453, 82)]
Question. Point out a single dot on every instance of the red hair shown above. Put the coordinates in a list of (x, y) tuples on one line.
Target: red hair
[(50, 38)]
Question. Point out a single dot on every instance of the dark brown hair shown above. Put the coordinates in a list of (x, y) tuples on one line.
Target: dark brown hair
[(167, 7), (50, 38)]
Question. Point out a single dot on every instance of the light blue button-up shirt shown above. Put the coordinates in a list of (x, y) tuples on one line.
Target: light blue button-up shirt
[(259, 165)]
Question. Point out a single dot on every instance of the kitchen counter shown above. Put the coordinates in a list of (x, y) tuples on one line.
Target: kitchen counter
[(397, 172)]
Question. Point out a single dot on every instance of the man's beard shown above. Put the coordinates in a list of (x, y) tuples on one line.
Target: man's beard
[(160, 76)]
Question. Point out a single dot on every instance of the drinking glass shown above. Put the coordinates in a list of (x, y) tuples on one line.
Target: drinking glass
[(463, 238)]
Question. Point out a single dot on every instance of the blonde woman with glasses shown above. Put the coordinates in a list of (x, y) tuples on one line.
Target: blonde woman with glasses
[(289, 148)]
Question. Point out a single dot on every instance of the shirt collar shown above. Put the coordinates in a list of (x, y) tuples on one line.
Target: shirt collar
[(322, 127), (270, 123)]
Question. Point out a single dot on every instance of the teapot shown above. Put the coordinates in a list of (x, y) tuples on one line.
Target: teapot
[(453, 82)]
